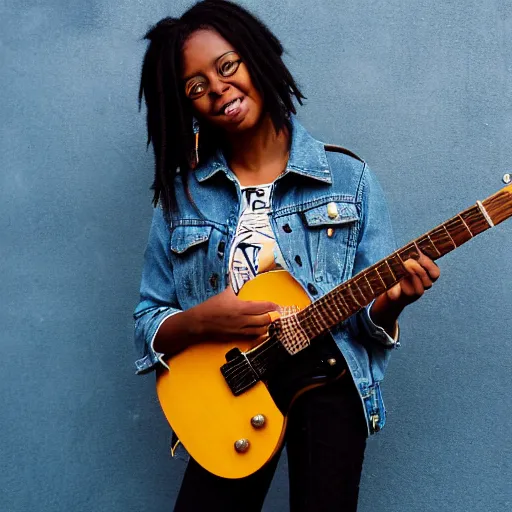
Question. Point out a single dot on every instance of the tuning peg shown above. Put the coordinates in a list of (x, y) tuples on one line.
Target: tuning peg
[(507, 178)]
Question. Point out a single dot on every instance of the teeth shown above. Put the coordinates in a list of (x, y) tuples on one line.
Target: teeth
[(233, 105)]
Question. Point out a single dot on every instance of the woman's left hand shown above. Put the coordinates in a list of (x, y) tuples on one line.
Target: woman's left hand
[(422, 274)]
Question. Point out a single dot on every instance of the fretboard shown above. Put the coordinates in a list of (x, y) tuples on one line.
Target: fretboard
[(354, 294)]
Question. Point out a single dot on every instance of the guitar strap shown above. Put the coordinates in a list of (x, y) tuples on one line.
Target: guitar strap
[(339, 149)]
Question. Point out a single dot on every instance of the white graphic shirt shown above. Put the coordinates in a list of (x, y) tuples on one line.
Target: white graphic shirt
[(254, 248)]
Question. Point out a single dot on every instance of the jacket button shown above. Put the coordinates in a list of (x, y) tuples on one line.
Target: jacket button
[(312, 289), (298, 260), (214, 281), (287, 228), (332, 210), (220, 249)]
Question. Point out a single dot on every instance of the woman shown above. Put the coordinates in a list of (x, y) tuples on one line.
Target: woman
[(240, 188)]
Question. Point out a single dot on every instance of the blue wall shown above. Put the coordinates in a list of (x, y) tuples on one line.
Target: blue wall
[(422, 90)]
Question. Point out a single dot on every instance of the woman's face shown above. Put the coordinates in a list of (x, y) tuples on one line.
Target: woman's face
[(218, 84)]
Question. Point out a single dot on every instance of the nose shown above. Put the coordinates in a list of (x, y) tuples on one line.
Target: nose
[(218, 87)]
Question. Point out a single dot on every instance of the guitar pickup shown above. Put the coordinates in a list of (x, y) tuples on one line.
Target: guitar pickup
[(238, 372)]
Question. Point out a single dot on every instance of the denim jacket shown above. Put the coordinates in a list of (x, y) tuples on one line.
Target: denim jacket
[(186, 261)]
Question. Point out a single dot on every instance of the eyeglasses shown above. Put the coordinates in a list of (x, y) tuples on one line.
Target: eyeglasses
[(227, 65)]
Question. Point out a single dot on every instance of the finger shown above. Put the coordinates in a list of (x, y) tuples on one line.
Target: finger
[(395, 292), (260, 307), (433, 270), (415, 269), (263, 320), (418, 286), (429, 265), (411, 286), (407, 286)]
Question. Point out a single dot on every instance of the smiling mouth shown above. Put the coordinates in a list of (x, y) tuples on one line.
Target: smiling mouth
[(227, 108)]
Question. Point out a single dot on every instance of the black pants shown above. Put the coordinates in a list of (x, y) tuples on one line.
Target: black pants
[(325, 442)]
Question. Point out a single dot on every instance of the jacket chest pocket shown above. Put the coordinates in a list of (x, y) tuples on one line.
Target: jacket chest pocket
[(197, 263), (331, 231)]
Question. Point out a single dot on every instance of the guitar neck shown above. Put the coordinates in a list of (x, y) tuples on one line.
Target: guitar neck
[(356, 293)]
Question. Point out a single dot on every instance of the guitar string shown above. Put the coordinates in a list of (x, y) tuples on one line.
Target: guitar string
[(258, 350), (330, 304)]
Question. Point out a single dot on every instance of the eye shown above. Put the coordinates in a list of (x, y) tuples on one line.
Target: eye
[(196, 88), (229, 67)]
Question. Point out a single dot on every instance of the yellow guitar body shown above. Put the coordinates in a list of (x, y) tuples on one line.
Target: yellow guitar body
[(201, 409)]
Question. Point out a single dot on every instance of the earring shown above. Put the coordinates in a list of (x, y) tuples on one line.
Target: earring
[(195, 129)]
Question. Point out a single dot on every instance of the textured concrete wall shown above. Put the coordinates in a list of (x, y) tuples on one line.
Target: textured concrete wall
[(422, 90)]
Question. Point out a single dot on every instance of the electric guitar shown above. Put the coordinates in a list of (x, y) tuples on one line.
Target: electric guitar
[(225, 401)]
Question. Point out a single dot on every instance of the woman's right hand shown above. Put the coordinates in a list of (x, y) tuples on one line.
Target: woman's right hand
[(225, 316)]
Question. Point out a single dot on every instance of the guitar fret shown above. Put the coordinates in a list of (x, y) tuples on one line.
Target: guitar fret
[(349, 298), (360, 290), (450, 236), (307, 325), (376, 281), (409, 251), (380, 277), (434, 245), (386, 274), (464, 222), (475, 220), (398, 268), (314, 321), (458, 231), (345, 304), (334, 305), (319, 317), (329, 312), (363, 287), (443, 240), (341, 305), (369, 284), (331, 316), (350, 289), (391, 270)]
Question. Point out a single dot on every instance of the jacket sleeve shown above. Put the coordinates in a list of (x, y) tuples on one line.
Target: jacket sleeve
[(158, 299), (376, 241)]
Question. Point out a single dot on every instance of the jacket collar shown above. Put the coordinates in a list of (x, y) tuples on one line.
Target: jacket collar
[(307, 158)]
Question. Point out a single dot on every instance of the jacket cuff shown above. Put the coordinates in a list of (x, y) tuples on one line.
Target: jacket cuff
[(377, 332), (152, 358)]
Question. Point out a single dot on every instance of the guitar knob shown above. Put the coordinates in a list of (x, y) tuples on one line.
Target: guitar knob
[(242, 445), (258, 421), (331, 361)]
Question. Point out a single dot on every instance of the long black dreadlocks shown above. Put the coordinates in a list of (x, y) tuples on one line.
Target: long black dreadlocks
[(169, 112)]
